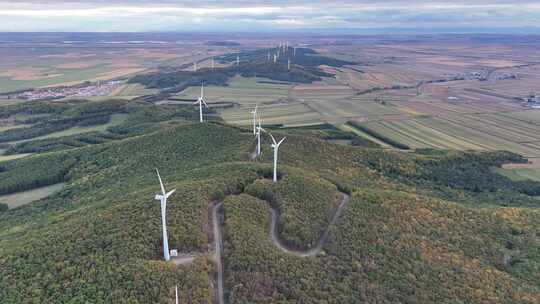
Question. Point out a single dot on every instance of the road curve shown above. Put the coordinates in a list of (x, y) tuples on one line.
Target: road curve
[(218, 245), (315, 250)]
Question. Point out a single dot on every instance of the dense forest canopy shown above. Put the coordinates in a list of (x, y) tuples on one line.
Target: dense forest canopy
[(73, 246)]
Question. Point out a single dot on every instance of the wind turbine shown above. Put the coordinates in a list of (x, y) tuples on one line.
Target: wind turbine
[(254, 112), (259, 129), (200, 101), (275, 146), (163, 199), (213, 64), (288, 65), (176, 294)]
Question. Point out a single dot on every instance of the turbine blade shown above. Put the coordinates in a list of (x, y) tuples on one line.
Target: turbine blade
[(170, 193), (160, 182), (281, 141), (273, 139), (204, 103)]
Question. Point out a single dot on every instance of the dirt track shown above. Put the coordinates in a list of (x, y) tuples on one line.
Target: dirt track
[(218, 245), (310, 252), (273, 234)]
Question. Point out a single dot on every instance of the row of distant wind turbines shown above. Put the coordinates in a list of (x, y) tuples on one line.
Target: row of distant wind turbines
[(257, 131), (282, 48)]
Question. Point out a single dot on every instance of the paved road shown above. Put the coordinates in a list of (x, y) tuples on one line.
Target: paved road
[(315, 250)]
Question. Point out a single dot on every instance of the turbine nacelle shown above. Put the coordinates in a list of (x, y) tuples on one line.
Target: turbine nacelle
[(277, 144), (161, 197)]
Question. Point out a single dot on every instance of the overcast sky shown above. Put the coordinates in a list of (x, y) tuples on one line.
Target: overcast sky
[(241, 15)]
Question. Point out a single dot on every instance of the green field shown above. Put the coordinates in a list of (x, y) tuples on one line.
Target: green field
[(294, 114), (245, 91), (115, 120), (22, 198), (133, 90), (520, 174)]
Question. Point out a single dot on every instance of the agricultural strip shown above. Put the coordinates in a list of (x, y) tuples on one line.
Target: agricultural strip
[(22, 198)]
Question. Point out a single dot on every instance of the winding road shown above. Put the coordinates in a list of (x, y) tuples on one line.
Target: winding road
[(315, 250), (273, 234)]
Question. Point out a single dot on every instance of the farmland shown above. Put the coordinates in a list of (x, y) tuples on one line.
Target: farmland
[(26, 197)]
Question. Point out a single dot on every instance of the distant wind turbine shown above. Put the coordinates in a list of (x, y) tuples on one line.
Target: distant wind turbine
[(288, 64), (275, 146), (259, 129), (254, 112), (213, 63), (163, 200), (200, 101)]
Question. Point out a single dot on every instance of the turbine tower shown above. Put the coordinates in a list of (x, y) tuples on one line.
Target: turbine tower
[(213, 63), (176, 294), (200, 101), (259, 129), (254, 112), (237, 60), (288, 65), (275, 146), (163, 200)]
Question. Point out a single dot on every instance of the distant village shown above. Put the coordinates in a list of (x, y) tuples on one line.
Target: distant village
[(83, 90), (482, 76)]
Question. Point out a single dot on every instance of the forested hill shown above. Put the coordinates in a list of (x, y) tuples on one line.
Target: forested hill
[(304, 69), (427, 227)]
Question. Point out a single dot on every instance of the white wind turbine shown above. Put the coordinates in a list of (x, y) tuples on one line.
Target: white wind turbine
[(275, 146), (259, 129), (254, 112), (200, 101), (163, 200)]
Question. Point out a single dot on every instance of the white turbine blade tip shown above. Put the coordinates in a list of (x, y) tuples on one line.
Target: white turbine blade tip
[(160, 182), (170, 193)]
